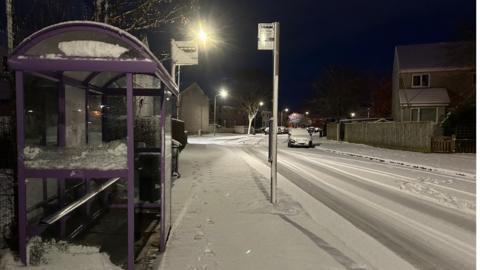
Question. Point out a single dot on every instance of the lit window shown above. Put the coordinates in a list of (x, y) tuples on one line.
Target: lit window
[(421, 80)]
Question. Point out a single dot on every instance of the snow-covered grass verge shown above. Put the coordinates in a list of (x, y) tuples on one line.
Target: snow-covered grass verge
[(403, 163), (53, 255)]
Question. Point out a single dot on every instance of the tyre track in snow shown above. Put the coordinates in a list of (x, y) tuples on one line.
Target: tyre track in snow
[(406, 239), (391, 176)]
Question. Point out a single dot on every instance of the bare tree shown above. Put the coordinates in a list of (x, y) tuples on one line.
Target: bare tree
[(339, 90), (251, 87), (9, 15), (141, 15)]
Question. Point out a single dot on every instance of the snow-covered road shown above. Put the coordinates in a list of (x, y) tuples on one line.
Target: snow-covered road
[(425, 217)]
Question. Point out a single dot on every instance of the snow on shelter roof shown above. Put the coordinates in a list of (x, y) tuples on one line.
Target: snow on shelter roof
[(424, 97), (446, 55), (85, 46)]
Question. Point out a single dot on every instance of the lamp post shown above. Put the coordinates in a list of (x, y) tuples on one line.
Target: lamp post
[(352, 114), (201, 34), (223, 93), (260, 104), (281, 115)]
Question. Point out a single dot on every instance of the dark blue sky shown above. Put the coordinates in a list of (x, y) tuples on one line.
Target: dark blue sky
[(317, 34)]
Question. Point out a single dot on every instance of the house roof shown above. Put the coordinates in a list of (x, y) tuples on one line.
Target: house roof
[(424, 97), (436, 56), (194, 86)]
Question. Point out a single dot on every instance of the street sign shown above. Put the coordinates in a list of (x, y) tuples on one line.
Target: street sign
[(266, 36), (269, 39), (184, 53)]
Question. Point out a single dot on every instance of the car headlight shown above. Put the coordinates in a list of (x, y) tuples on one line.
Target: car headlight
[(292, 140)]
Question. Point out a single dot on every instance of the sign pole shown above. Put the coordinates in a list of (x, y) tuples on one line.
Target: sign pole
[(269, 39), (273, 171)]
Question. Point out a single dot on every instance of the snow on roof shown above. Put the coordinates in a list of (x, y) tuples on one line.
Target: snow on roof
[(436, 56), (424, 96), (91, 48)]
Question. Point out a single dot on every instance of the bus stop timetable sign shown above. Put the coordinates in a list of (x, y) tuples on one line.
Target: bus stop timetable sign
[(266, 36)]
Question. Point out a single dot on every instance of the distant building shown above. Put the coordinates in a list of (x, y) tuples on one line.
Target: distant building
[(430, 79), (194, 109)]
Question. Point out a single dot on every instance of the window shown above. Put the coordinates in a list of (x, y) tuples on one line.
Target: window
[(420, 80), (423, 114), (428, 114)]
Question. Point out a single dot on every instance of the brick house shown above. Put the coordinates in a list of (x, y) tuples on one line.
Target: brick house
[(429, 80)]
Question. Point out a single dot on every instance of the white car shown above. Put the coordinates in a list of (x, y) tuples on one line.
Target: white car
[(299, 137)]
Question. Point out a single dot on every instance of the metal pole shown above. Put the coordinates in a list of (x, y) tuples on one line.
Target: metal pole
[(273, 171), (214, 115), (179, 97), (22, 185), (130, 178), (173, 75)]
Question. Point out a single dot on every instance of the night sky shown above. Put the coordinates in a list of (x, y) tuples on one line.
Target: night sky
[(314, 36), (318, 34)]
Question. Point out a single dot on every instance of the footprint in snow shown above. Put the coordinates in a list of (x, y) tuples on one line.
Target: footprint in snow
[(210, 221), (199, 235)]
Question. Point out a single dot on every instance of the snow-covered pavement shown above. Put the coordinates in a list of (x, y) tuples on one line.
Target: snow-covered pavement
[(367, 213), (223, 220)]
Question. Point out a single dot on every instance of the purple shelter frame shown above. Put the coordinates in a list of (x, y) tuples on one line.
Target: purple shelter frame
[(54, 68)]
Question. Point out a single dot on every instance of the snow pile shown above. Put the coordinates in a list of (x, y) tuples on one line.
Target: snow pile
[(106, 156), (453, 164), (52, 255), (31, 152), (91, 48)]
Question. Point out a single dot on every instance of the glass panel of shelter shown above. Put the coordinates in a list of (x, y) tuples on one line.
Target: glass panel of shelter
[(41, 130)]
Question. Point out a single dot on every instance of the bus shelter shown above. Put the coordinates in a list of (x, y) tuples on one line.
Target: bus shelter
[(92, 102)]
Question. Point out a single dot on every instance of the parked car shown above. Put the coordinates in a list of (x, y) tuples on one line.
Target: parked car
[(299, 137), (280, 130)]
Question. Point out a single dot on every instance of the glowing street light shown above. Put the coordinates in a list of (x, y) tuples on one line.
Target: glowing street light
[(281, 115), (307, 113), (203, 33), (352, 114), (223, 93), (255, 118)]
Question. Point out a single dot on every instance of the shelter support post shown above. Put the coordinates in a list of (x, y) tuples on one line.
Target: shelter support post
[(130, 178), (86, 114), (22, 203), (61, 143)]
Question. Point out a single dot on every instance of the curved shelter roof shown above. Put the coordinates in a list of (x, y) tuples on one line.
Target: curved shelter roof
[(89, 53)]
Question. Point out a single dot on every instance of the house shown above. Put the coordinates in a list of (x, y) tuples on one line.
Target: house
[(194, 109), (429, 80)]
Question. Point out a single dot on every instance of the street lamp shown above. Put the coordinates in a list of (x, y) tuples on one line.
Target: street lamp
[(223, 93), (352, 114), (260, 104), (203, 33), (281, 116), (307, 113)]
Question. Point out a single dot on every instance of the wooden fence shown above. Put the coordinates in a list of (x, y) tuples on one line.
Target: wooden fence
[(450, 144)]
